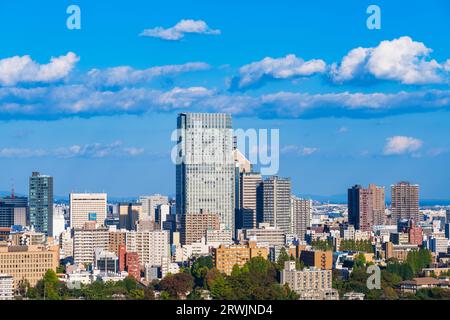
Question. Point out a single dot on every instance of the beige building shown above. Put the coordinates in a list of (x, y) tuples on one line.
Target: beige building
[(28, 263), (310, 284), (116, 239), (300, 216), (86, 207), (317, 259), (129, 215), (405, 201), (194, 226), (225, 257), (151, 246), (249, 182), (86, 240)]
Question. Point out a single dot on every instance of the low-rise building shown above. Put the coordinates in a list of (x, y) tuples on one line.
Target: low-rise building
[(6, 287), (225, 257), (310, 284)]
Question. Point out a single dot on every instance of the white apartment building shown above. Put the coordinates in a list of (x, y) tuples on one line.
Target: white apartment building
[(6, 287), (151, 246), (214, 238), (307, 279), (266, 235), (86, 240), (87, 207)]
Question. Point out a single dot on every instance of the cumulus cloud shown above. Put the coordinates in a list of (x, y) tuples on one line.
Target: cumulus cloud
[(288, 67), (302, 151), (402, 59), (399, 145), (178, 31), (23, 69), (126, 75)]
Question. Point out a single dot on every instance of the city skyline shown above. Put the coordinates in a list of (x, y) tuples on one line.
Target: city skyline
[(115, 112)]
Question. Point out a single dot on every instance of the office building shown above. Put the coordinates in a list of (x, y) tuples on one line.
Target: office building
[(28, 263), (86, 207), (405, 201), (300, 216), (205, 170), (274, 207), (41, 202), (150, 204)]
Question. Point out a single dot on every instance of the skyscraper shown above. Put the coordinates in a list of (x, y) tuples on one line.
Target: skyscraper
[(41, 202), (87, 207), (405, 201), (300, 216), (249, 182), (13, 211), (274, 202), (205, 169), (366, 206)]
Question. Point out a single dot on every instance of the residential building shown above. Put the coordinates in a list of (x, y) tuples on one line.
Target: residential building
[(86, 240), (225, 257), (366, 207), (300, 216), (310, 284), (405, 201), (195, 225), (6, 287), (266, 235), (274, 202), (151, 246)]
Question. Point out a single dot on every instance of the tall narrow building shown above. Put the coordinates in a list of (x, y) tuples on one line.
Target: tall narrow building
[(366, 207), (249, 182), (274, 202), (41, 202), (300, 216), (205, 169), (405, 201)]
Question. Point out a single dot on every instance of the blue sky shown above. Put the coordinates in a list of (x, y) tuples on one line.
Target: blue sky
[(353, 105)]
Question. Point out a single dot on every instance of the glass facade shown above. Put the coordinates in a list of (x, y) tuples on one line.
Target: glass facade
[(41, 202)]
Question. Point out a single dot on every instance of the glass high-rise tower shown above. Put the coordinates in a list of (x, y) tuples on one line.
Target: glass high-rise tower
[(41, 202), (205, 169)]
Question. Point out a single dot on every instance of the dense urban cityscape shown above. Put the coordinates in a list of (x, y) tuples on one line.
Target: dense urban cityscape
[(229, 234)]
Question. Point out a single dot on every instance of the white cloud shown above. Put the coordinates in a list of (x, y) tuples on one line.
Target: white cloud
[(278, 68), (124, 75), (24, 70), (178, 31), (402, 59), (94, 150), (21, 153), (446, 65), (60, 101), (302, 151), (398, 145)]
